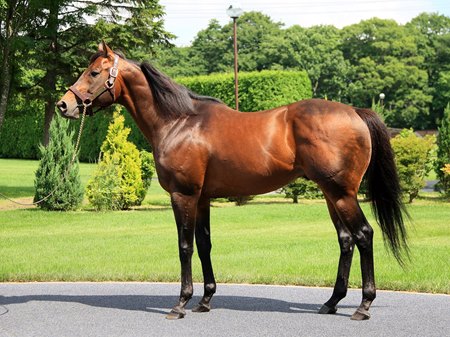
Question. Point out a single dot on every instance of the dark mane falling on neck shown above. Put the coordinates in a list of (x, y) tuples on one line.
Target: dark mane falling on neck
[(171, 99)]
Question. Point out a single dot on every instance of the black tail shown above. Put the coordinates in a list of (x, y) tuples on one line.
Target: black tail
[(383, 186)]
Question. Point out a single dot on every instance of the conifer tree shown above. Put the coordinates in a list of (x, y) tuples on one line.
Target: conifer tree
[(58, 174), (443, 152)]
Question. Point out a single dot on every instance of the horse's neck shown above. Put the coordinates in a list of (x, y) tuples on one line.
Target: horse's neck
[(137, 98)]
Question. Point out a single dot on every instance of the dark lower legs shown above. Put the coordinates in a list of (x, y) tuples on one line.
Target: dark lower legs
[(365, 246), (192, 216), (352, 228), (203, 241)]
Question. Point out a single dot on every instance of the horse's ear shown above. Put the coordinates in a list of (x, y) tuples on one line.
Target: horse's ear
[(102, 47)]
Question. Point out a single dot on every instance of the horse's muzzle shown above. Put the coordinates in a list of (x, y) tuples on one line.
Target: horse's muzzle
[(64, 110)]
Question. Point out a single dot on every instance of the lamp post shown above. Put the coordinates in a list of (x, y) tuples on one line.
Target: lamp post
[(235, 11), (382, 96)]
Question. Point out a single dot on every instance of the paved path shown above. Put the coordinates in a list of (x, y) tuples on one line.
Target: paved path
[(138, 309)]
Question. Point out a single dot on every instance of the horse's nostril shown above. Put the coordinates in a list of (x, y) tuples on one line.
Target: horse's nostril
[(62, 106)]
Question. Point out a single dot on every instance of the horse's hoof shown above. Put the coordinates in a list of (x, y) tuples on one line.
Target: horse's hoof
[(327, 310), (360, 315), (201, 307), (175, 315)]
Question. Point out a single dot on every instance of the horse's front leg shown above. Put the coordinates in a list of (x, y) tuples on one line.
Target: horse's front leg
[(203, 241), (184, 208)]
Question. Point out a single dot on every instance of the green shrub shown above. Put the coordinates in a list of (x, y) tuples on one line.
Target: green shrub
[(57, 176), (443, 153), (413, 157), (241, 201), (302, 188), (117, 182)]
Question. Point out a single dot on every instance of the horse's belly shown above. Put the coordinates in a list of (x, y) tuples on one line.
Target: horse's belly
[(247, 179)]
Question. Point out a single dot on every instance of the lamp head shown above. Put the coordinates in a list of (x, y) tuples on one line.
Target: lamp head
[(234, 11)]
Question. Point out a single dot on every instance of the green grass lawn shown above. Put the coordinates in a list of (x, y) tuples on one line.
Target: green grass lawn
[(268, 241)]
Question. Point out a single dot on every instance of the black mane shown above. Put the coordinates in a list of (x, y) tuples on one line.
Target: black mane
[(171, 98)]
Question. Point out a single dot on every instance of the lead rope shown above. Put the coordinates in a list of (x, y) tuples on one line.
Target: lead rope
[(74, 157)]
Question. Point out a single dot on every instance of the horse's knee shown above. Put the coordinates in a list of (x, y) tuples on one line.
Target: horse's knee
[(186, 252)]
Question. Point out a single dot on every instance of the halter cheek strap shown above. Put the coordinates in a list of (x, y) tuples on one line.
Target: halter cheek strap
[(87, 99)]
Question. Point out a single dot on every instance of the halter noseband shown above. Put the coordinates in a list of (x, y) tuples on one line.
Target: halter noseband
[(87, 99)]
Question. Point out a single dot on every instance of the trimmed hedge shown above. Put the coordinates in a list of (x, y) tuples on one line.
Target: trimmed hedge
[(21, 135), (22, 130), (257, 90)]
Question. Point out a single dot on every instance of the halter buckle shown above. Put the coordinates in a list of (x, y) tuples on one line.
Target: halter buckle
[(113, 72)]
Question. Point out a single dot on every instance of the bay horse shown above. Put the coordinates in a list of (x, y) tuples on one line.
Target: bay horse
[(203, 149)]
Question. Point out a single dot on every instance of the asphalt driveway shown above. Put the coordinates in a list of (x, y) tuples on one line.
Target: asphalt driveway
[(139, 309)]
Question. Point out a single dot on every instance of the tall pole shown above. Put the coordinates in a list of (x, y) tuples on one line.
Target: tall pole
[(236, 81), (235, 11)]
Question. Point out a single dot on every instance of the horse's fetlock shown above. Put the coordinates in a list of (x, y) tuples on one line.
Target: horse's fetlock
[(186, 293), (369, 293), (210, 288)]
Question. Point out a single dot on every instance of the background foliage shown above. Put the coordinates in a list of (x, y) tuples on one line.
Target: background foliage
[(443, 153), (301, 188)]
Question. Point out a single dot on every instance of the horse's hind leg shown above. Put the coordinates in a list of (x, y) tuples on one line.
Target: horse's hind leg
[(347, 245), (203, 241), (352, 217)]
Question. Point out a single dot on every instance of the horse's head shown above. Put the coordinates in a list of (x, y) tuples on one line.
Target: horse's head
[(96, 87)]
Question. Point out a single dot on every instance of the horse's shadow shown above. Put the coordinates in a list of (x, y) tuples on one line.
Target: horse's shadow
[(162, 304)]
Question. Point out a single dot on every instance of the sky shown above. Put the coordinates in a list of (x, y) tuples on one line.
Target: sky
[(186, 18)]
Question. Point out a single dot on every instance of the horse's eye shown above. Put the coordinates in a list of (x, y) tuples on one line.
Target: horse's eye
[(94, 73)]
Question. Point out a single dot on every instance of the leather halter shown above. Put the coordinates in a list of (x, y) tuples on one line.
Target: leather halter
[(87, 99)]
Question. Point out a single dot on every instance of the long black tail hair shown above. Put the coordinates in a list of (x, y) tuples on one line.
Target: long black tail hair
[(384, 187)]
